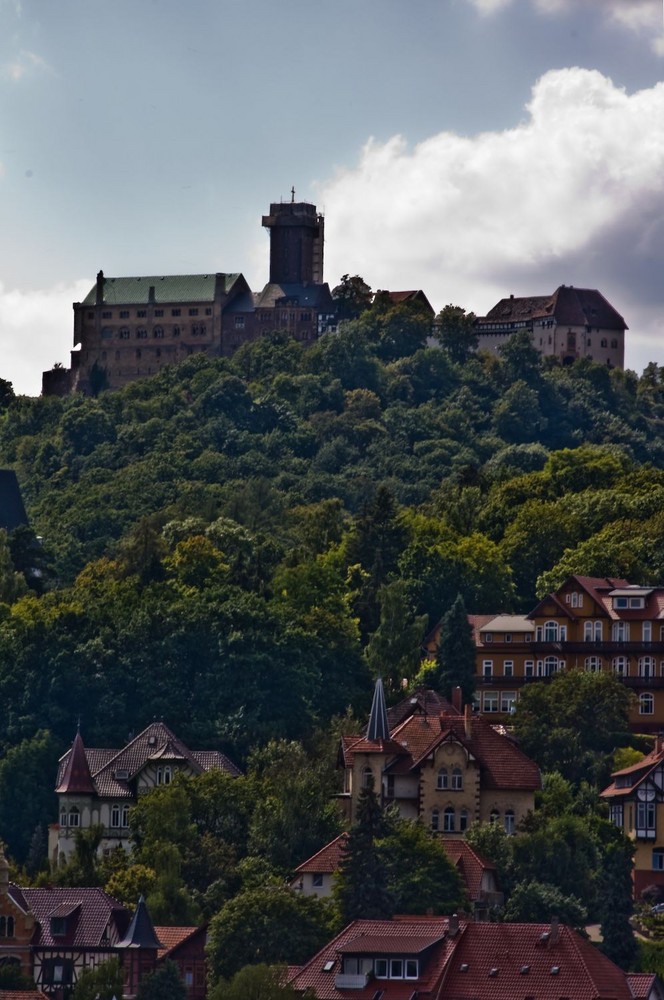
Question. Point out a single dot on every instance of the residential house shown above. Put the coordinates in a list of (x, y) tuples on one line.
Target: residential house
[(589, 623), (448, 770), (131, 327), (571, 324), (314, 877), (636, 804), (444, 958), (185, 946), (97, 786)]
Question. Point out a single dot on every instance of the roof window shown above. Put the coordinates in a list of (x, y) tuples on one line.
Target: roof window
[(329, 965), (555, 969), (493, 972)]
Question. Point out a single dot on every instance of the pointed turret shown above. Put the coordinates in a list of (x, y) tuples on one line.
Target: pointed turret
[(76, 778), (141, 932), (378, 728)]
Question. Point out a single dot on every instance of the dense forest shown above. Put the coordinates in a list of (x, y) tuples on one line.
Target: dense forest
[(239, 545)]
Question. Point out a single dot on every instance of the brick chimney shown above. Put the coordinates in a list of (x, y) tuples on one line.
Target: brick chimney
[(468, 720), (100, 289), (457, 699), (453, 925), (554, 931)]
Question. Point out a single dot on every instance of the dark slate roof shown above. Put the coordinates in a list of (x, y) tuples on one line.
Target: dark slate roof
[(141, 932), (423, 701), (156, 738), (378, 728), (167, 288), (12, 511), (91, 911), (312, 296)]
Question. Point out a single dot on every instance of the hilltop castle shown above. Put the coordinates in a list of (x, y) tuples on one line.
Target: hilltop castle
[(128, 328)]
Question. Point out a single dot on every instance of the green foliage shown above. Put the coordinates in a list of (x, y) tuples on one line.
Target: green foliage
[(361, 882), (535, 902), (101, 983), (270, 924), (618, 941), (255, 982), (455, 659), (351, 297), (163, 984), (419, 875), (455, 330), (26, 796)]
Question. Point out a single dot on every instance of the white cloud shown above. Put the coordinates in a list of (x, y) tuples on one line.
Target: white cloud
[(574, 194), (36, 330), (26, 62), (645, 17)]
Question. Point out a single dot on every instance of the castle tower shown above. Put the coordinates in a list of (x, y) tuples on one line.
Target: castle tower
[(296, 243)]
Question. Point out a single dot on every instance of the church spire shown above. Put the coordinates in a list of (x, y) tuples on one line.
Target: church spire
[(76, 778), (378, 728)]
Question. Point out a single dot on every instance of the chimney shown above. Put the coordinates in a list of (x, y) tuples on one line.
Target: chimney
[(457, 699), (100, 289), (554, 931), (453, 925), (468, 720), (151, 298)]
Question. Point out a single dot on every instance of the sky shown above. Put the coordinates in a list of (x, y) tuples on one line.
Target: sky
[(471, 148)]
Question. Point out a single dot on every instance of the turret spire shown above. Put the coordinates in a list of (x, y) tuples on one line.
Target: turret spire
[(378, 728), (76, 778)]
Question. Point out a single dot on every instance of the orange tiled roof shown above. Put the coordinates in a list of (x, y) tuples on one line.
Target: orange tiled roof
[(470, 864), (639, 771), (327, 860), (173, 937)]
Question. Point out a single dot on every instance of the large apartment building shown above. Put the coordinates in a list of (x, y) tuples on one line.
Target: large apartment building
[(571, 324), (590, 623)]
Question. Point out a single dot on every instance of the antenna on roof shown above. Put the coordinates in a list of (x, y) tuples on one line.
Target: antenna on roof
[(292, 195)]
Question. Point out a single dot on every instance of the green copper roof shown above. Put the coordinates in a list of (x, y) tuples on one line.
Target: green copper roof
[(167, 288)]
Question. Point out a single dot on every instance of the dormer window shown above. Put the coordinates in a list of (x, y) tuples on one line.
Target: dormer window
[(58, 926)]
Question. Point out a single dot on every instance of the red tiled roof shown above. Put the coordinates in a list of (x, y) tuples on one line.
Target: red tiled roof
[(85, 928), (482, 961), (155, 741), (22, 995), (172, 937), (76, 779), (641, 984), (469, 863), (327, 860), (640, 771)]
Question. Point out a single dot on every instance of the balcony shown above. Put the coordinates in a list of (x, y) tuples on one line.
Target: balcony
[(605, 647), (348, 981)]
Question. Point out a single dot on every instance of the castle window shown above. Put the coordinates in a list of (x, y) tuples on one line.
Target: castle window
[(457, 779), (208, 310), (193, 312), (158, 332), (123, 334), (203, 330), (141, 313), (441, 780), (604, 342), (141, 333), (175, 312), (124, 314), (107, 315), (159, 312), (449, 820)]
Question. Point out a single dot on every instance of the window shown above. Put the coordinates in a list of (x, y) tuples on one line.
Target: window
[(488, 636), (658, 859), (158, 332), (435, 820), (487, 668), (508, 637), (74, 817), (593, 664), (107, 315), (551, 632), (123, 334), (616, 813), (138, 352), (367, 778), (646, 631), (603, 342), (168, 775), (646, 666), (645, 816), (317, 880), (159, 312), (587, 631), (239, 322), (646, 704), (115, 817), (411, 968), (620, 665), (58, 926), (490, 701), (176, 331), (208, 310), (510, 823), (124, 822), (494, 816), (141, 313), (396, 968), (441, 779), (124, 314), (463, 820), (529, 668), (457, 779), (508, 668), (508, 702), (175, 312), (380, 968), (141, 333), (449, 820), (620, 632), (6, 929), (193, 312)]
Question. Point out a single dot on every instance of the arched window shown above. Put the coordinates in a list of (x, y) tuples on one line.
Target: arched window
[(367, 778), (115, 817), (449, 820), (646, 704), (463, 820), (124, 822), (620, 632), (74, 817), (168, 774), (550, 665), (435, 820), (441, 780), (550, 631), (620, 666), (646, 666), (587, 631), (494, 816), (160, 775), (457, 779), (158, 332), (509, 821), (593, 664)]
